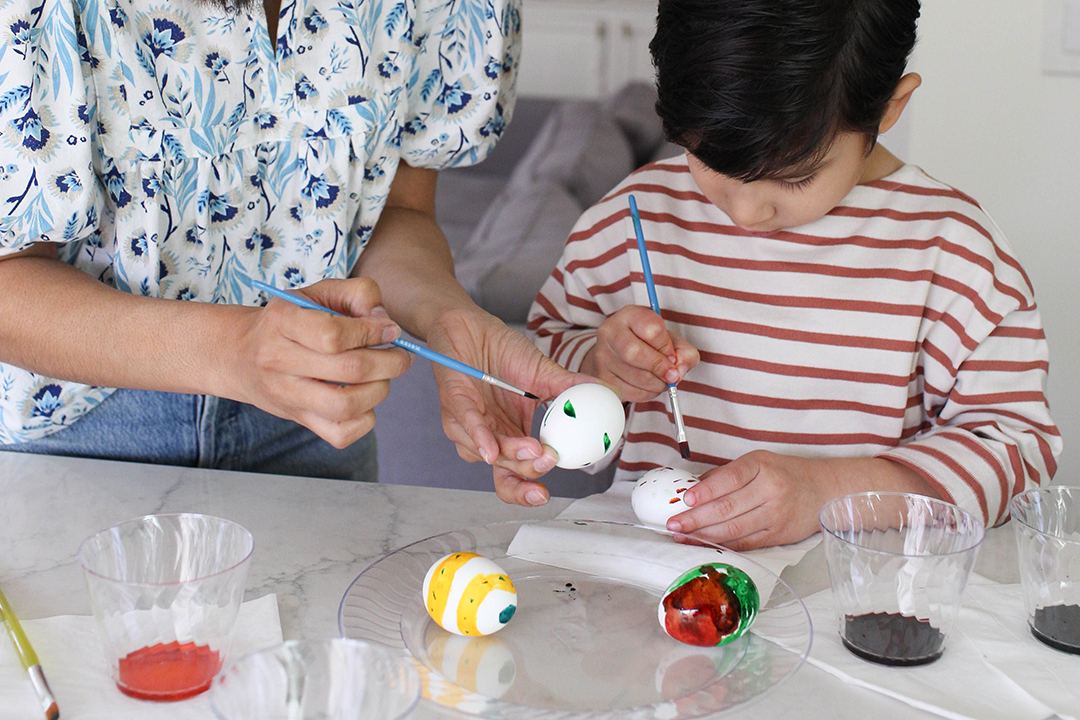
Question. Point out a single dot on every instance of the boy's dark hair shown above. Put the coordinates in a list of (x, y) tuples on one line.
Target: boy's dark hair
[(760, 88)]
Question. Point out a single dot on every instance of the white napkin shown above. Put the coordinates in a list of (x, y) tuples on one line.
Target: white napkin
[(995, 620), (74, 663), (959, 685), (632, 556)]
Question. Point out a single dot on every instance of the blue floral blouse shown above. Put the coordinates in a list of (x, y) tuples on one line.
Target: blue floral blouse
[(172, 150)]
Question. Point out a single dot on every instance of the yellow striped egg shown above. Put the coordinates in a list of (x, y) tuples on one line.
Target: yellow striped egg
[(468, 594)]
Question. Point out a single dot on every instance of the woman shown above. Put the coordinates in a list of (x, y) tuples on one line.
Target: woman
[(159, 155)]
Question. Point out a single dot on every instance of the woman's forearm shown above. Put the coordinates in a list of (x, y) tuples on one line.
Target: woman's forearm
[(60, 322), (409, 258)]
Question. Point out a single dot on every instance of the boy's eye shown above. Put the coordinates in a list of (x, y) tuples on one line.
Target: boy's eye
[(796, 185)]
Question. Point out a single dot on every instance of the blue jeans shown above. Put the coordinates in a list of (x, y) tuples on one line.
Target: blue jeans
[(207, 432)]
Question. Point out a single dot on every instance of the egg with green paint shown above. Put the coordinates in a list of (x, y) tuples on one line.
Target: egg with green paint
[(468, 594), (709, 605), (583, 424)]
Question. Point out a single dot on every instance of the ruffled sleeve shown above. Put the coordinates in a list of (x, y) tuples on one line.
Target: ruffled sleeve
[(48, 189), (461, 89)]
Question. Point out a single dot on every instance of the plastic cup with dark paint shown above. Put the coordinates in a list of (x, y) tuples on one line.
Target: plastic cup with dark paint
[(1046, 522), (898, 564)]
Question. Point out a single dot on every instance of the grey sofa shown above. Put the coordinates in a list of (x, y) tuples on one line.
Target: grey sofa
[(506, 220)]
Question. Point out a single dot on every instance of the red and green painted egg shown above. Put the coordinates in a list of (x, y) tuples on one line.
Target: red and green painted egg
[(709, 605)]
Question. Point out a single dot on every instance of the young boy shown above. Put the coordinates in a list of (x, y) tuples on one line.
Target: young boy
[(837, 321)]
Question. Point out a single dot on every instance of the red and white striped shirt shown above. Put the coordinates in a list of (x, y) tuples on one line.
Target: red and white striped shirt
[(899, 325)]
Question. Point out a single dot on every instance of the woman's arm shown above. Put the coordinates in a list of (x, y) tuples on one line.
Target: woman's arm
[(298, 364), (60, 322), (409, 258)]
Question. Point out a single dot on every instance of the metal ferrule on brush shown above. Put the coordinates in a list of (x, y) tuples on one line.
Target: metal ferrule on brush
[(680, 428), (41, 688)]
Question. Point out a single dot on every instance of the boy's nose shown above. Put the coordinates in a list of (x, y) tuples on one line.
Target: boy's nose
[(749, 215)]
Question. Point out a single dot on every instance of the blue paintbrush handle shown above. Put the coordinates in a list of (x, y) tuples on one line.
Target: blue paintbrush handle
[(438, 357), (646, 269), (418, 349)]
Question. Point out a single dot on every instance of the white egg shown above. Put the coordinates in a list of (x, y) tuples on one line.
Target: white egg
[(469, 594), (582, 424), (659, 494)]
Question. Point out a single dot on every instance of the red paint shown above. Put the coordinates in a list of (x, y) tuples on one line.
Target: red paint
[(168, 671), (701, 612)]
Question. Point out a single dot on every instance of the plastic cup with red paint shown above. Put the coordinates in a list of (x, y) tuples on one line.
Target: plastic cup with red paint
[(165, 591)]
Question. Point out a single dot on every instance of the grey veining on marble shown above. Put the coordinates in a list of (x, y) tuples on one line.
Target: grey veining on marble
[(312, 537)]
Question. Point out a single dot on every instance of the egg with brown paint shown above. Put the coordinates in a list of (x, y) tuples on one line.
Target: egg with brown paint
[(658, 495)]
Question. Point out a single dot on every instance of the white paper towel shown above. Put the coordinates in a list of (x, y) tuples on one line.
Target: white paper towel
[(74, 663)]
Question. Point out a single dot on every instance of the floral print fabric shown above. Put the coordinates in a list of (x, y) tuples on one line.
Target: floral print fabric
[(172, 150)]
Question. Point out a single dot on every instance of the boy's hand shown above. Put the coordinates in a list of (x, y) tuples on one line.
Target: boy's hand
[(758, 500), (637, 355)]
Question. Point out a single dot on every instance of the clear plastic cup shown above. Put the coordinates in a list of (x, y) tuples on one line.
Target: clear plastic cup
[(898, 564), (336, 679), (165, 591), (1046, 522)]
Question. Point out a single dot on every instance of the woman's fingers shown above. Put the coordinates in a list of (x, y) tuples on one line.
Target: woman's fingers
[(514, 489), (330, 334), (351, 367)]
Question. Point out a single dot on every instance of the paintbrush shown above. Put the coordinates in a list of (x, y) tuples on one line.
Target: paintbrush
[(416, 348), (673, 394), (29, 660)]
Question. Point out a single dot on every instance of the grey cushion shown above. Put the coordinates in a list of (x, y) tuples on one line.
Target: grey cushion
[(461, 199), (516, 246), (633, 108), (666, 151), (580, 147)]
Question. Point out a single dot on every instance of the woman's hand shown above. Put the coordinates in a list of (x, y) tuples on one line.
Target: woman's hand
[(317, 369), (637, 356), (488, 423)]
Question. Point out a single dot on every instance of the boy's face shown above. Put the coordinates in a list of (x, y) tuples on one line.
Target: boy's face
[(768, 205)]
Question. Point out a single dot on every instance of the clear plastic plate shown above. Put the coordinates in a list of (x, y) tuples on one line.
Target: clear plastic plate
[(585, 641)]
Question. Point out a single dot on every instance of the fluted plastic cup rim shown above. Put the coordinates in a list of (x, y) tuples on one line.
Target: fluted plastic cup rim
[(826, 530), (1014, 508), (223, 674), (81, 554)]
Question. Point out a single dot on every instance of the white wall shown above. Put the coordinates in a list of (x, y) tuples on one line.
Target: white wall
[(989, 121)]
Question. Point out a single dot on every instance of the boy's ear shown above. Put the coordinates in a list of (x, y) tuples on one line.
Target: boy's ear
[(895, 107)]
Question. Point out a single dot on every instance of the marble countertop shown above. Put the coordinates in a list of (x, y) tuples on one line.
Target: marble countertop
[(312, 537)]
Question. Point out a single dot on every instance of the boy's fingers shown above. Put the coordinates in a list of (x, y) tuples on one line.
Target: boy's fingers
[(737, 529), (722, 481), (641, 381), (723, 509), (654, 332), (687, 355), (637, 353)]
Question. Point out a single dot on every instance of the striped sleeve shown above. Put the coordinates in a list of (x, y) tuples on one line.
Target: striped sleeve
[(991, 434), (590, 282)]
